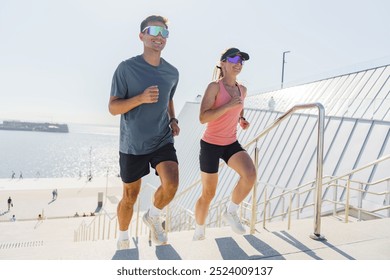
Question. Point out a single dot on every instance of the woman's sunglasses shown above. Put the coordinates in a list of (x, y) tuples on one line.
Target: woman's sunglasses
[(155, 30), (235, 59)]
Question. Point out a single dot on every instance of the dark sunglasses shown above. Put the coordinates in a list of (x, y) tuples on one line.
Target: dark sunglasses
[(235, 59), (155, 30)]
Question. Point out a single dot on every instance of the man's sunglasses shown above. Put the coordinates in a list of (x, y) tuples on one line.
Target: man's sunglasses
[(235, 59), (155, 30)]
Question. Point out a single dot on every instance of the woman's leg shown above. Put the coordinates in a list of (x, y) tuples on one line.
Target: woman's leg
[(209, 186), (242, 163)]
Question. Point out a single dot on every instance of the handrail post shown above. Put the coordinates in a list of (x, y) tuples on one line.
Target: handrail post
[(319, 173), (388, 197), (289, 212), (360, 201), (254, 191), (99, 226), (335, 198), (347, 201), (265, 206)]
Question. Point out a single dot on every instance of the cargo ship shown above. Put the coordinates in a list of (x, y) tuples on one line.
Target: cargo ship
[(34, 126)]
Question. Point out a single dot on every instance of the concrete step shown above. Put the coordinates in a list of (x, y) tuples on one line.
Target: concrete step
[(355, 240)]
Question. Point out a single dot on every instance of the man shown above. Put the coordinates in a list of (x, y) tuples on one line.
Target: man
[(142, 93)]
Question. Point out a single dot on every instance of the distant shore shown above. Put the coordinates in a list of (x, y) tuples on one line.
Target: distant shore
[(59, 183), (32, 197)]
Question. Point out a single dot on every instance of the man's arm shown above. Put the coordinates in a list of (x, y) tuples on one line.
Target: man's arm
[(172, 117), (118, 106)]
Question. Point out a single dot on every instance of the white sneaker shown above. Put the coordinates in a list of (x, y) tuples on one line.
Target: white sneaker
[(234, 221), (123, 244), (199, 234), (154, 223)]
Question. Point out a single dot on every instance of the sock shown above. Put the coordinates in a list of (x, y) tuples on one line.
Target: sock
[(200, 229), (123, 235), (154, 211), (232, 207)]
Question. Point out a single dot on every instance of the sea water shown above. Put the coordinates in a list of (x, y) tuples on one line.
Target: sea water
[(85, 149)]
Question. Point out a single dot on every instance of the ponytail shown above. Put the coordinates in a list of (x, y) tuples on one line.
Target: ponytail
[(218, 73)]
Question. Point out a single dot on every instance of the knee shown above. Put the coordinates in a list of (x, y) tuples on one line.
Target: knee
[(208, 195), (250, 176), (129, 199)]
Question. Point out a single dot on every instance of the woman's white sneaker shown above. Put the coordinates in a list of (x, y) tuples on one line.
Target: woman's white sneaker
[(123, 244), (234, 221), (199, 233)]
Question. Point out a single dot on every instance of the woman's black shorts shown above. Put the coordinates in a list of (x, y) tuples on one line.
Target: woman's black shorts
[(210, 154)]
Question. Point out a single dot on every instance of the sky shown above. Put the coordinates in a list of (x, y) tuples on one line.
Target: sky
[(57, 58)]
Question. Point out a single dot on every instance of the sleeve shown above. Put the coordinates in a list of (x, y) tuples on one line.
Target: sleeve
[(173, 90), (119, 85)]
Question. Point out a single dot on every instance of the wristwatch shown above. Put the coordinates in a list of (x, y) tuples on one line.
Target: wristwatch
[(174, 119)]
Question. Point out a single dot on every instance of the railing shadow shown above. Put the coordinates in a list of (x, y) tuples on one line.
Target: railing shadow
[(304, 249), (333, 247), (267, 252), (297, 244)]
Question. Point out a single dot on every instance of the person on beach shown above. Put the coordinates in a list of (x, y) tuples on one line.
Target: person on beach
[(55, 194), (142, 93), (10, 204), (222, 110)]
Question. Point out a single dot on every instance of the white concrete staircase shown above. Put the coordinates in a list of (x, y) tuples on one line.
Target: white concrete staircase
[(54, 241)]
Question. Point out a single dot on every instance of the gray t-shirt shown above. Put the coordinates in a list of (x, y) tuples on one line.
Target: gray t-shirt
[(145, 128)]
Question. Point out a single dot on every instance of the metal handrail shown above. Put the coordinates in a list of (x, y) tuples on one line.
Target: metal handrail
[(335, 182), (319, 170), (386, 157)]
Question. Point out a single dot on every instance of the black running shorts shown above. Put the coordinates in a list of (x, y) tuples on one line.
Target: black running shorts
[(210, 154), (134, 167)]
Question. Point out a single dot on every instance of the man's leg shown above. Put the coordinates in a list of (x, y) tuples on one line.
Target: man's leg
[(169, 176)]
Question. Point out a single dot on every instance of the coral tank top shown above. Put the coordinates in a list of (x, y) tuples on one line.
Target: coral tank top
[(223, 131)]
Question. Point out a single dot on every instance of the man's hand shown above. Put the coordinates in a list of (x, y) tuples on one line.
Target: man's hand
[(175, 128), (150, 95)]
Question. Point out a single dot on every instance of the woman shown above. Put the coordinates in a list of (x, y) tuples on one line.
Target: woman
[(222, 110)]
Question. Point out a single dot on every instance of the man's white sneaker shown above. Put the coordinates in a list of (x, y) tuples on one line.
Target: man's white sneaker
[(123, 244), (154, 224), (234, 221)]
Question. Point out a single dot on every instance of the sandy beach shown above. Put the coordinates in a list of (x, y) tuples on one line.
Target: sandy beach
[(31, 197)]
